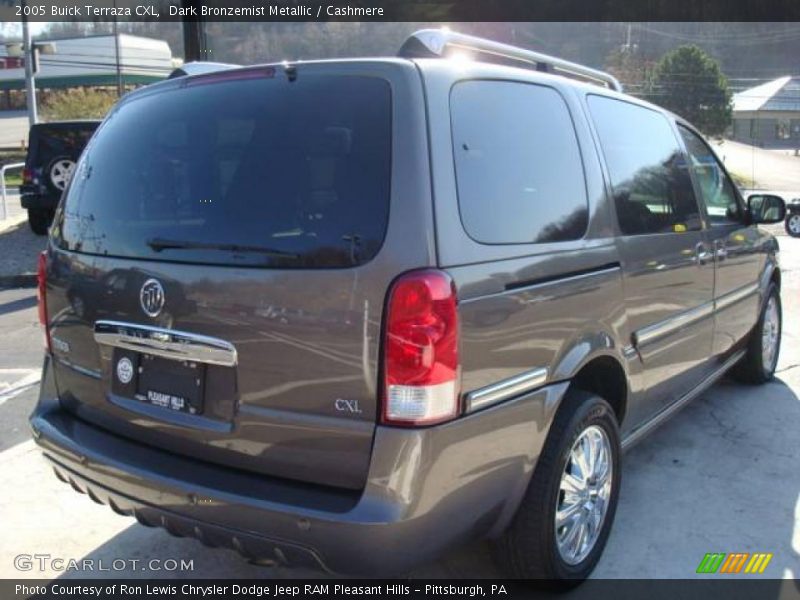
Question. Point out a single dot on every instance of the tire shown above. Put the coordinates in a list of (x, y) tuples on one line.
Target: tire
[(58, 173), (40, 219), (529, 548), (758, 366), (792, 224)]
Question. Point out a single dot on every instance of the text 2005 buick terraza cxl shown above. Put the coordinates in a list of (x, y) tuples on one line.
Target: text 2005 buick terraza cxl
[(351, 313)]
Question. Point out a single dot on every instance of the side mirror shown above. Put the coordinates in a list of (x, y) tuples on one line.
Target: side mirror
[(766, 208)]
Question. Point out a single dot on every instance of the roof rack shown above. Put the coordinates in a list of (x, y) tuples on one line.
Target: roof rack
[(439, 43)]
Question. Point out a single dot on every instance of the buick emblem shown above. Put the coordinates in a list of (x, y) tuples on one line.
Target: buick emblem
[(152, 297)]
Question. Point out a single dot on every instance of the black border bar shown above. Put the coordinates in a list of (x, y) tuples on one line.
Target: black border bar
[(404, 10)]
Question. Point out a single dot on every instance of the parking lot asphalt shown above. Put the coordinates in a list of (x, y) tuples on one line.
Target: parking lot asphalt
[(722, 476)]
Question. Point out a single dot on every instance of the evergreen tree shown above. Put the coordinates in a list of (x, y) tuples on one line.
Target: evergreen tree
[(689, 82)]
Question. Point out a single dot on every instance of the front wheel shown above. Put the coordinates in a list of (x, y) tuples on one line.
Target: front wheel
[(563, 522), (758, 364), (792, 224)]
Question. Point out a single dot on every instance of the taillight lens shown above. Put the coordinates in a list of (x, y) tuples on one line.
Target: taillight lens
[(421, 367), (27, 176), (41, 296)]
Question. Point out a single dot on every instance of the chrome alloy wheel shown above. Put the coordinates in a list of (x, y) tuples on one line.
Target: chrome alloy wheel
[(60, 173), (793, 224), (770, 334), (584, 495)]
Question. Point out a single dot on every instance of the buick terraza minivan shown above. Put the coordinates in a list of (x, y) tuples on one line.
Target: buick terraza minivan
[(371, 309)]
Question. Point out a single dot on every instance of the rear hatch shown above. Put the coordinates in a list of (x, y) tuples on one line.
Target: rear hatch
[(220, 263)]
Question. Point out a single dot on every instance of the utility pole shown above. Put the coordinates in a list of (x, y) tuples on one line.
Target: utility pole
[(116, 49), (30, 85), (195, 44)]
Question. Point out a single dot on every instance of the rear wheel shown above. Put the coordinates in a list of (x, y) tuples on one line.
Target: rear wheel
[(39, 220), (758, 364), (562, 525), (792, 224)]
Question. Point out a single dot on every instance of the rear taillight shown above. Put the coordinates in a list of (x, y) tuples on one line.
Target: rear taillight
[(27, 176), (420, 373), (41, 296)]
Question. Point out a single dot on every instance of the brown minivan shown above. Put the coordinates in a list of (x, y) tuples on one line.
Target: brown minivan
[(351, 313)]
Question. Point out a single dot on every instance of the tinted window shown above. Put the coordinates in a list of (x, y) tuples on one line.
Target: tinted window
[(51, 141), (652, 188), (258, 172), (716, 188), (518, 168)]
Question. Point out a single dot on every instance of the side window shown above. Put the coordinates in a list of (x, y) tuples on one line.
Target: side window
[(716, 188), (652, 188), (519, 171)]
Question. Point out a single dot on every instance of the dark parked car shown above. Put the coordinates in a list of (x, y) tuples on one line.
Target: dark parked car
[(53, 150), (532, 270), (792, 222)]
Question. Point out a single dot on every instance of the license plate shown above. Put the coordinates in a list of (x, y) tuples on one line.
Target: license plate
[(169, 384)]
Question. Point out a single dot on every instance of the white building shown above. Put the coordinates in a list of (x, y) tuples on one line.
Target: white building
[(92, 60)]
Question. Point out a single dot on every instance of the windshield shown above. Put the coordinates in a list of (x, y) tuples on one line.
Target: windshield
[(256, 171)]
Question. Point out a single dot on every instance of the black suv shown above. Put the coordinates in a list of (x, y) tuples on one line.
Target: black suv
[(53, 150), (350, 313)]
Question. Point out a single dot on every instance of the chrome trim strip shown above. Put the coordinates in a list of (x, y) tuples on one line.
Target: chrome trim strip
[(505, 389), (167, 343), (79, 369), (735, 296), (663, 328), (640, 432)]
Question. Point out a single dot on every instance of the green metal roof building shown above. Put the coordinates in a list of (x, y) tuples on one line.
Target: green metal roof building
[(94, 60)]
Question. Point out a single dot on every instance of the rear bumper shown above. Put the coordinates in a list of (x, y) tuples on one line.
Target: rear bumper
[(427, 489)]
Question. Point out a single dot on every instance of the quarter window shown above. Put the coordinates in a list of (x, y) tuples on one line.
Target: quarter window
[(651, 184), (518, 167)]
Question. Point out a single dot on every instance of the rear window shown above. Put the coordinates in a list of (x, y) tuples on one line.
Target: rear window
[(256, 171), (518, 167)]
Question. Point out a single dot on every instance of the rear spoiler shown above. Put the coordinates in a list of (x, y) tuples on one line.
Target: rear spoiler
[(199, 68), (441, 43)]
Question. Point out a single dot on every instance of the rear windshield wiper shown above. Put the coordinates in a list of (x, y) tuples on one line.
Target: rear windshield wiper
[(159, 244)]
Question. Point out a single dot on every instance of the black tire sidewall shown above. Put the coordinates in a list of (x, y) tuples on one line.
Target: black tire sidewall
[(772, 292), (38, 220), (786, 224), (593, 410)]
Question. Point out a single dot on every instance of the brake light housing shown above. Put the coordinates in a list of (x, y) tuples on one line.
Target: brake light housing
[(27, 175), (41, 296), (421, 359)]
